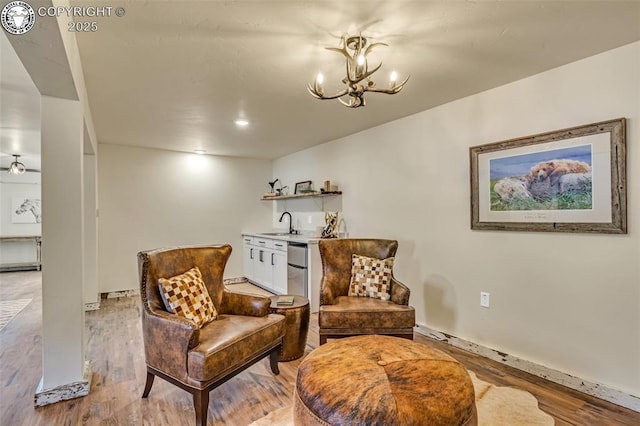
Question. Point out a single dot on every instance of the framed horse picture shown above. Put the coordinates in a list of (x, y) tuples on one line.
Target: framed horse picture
[(26, 210)]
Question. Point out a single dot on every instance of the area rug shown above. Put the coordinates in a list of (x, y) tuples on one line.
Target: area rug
[(497, 406), (248, 288), (11, 308)]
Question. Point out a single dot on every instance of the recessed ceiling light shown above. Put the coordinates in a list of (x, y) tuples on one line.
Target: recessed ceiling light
[(199, 151), (241, 122)]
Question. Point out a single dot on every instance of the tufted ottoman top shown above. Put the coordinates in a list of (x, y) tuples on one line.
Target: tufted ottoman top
[(382, 380)]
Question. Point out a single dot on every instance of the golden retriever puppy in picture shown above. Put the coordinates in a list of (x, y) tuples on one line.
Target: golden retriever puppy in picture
[(555, 168)]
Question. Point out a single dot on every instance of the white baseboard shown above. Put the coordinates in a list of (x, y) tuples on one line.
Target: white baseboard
[(237, 280), (135, 292), (93, 306), (64, 392), (594, 389), (123, 293)]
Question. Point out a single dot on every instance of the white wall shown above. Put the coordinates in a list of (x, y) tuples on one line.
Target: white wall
[(151, 198), (566, 301)]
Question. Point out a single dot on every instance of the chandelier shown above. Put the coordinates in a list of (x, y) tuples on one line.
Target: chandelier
[(16, 167), (358, 79)]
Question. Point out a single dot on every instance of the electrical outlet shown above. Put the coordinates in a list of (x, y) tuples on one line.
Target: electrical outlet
[(484, 299)]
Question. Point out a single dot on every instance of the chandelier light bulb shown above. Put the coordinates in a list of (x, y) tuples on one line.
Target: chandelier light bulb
[(361, 59), (320, 78), (393, 77)]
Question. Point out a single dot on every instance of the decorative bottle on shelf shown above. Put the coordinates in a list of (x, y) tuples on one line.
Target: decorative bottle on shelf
[(342, 229)]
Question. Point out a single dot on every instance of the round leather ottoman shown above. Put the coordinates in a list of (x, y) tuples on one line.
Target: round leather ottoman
[(296, 326), (382, 380)]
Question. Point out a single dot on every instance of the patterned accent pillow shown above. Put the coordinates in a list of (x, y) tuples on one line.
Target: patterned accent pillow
[(371, 277), (187, 296)]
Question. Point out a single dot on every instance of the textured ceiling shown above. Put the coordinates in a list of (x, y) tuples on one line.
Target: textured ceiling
[(175, 74)]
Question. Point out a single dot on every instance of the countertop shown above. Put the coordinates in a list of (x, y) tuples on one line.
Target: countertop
[(283, 236)]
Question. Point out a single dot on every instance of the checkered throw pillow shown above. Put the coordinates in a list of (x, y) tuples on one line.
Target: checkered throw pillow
[(187, 296), (370, 277)]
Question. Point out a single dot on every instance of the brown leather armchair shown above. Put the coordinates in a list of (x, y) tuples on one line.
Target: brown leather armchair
[(198, 360), (341, 315)]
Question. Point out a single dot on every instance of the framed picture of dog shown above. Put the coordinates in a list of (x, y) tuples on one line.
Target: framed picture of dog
[(570, 180)]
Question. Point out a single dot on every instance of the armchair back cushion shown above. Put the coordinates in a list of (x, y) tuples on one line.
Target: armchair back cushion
[(162, 263), (337, 262)]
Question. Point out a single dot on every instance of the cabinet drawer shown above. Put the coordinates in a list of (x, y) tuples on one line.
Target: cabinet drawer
[(247, 240), (279, 245), (263, 242)]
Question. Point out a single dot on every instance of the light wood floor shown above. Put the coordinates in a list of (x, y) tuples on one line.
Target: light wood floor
[(115, 350)]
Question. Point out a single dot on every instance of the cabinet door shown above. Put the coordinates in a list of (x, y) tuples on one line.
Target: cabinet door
[(268, 269), (279, 260), (262, 273), (248, 253)]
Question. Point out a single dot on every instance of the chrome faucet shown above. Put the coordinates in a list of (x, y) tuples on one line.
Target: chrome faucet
[(291, 231)]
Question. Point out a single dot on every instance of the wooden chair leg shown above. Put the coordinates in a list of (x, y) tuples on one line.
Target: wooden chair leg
[(201, 405), (323, 339), (273, 360), (147, 386)]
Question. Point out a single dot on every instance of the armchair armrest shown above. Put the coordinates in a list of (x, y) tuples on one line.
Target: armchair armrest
[(399, 292), (175, 335), (244, 304)]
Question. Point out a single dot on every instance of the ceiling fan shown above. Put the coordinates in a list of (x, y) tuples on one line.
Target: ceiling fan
[(16, 167)]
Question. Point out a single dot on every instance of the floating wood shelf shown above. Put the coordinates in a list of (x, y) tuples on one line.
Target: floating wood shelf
[(306, 195)]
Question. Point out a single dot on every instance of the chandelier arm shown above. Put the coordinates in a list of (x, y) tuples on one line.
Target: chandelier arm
[(385, 91), (313, 92), (353, 102), (371, 46), (319, 95), (349, 66), (392, 91), (340, 50)]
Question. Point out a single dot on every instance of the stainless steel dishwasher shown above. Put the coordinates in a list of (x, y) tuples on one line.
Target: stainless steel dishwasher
[(297, 269)]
